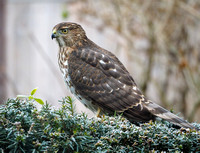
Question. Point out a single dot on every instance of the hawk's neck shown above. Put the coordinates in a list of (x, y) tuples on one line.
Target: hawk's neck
[(63, 56), (65, 51)]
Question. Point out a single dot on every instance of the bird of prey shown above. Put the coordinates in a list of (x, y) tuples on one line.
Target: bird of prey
[(100, 81)]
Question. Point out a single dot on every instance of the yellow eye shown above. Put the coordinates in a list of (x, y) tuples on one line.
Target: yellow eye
[(64, 31)]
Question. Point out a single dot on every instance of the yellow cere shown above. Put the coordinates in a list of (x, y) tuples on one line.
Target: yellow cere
[(54, 31)]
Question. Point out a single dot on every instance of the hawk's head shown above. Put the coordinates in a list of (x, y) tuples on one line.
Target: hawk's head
[(68, 34)]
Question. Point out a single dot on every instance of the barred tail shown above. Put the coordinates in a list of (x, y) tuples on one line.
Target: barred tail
[(159, 111)]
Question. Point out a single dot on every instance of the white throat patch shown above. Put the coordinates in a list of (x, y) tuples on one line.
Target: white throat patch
[(62, 42)]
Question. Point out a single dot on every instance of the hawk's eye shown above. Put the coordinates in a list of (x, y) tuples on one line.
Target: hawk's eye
[(64, 31)]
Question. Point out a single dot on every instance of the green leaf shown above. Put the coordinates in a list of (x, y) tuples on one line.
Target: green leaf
[(30, 97), (33, 91), (40, 101)]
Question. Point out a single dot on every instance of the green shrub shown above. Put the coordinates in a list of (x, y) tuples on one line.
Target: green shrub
[(24, 128)]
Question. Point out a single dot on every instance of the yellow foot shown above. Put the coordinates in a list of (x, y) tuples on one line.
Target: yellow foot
[(98, 112)]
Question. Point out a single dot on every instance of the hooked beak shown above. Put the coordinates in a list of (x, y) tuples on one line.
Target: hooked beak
[(54, 34)]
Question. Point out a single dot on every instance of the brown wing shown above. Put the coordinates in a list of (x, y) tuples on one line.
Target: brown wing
[(99, 76)]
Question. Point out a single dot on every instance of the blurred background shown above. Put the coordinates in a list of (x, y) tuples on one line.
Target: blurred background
[(157, 41)]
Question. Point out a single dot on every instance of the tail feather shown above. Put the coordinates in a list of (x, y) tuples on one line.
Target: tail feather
[(159, 111)]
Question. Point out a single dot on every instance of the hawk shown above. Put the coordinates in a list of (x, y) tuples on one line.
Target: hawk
[(100, 81)]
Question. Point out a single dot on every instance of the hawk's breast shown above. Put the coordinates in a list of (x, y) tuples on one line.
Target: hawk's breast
[(63, 58)]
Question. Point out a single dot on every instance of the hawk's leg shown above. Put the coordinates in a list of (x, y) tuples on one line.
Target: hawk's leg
[(98, 112)]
